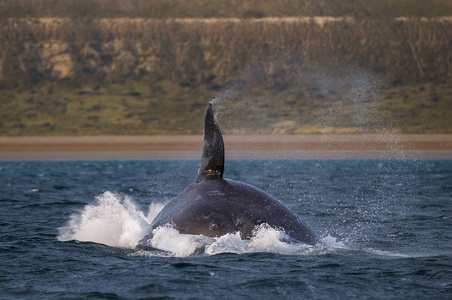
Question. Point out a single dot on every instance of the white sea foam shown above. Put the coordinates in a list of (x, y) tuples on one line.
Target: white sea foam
[(332, 243), (112, 220), (169, 239), (264, 239), (387, 253)]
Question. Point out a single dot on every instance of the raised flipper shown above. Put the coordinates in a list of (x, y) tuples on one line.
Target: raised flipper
[(212, 160)]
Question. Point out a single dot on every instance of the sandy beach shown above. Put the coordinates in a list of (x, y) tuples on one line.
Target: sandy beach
[(255, 146)]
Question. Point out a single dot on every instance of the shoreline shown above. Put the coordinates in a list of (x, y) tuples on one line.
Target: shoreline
[(237, 147)]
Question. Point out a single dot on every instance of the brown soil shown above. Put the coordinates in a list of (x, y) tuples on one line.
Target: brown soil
[(256, 146)]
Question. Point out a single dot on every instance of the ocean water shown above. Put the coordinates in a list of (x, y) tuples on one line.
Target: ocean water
[(68, 231)]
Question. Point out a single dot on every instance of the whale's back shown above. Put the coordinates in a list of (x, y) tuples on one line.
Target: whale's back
[(214, 207)]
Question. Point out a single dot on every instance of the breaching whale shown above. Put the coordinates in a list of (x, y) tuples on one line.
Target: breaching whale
[(214, 206)]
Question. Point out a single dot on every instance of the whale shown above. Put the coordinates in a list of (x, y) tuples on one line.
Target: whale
[(215, 206)]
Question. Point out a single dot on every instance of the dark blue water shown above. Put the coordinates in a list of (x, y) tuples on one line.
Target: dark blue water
[(385, 226)]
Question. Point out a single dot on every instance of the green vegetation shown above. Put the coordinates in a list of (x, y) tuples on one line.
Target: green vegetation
[(165, 108), (96, 67), (113, 109)]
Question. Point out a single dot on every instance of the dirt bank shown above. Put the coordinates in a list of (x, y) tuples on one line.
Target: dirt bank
[(256, 146)]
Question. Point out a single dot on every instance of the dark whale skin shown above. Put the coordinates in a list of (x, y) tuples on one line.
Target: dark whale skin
[(215, 207)]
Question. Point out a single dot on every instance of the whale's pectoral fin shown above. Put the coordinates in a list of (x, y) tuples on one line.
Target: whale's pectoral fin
[(144, 243), (212, 160)]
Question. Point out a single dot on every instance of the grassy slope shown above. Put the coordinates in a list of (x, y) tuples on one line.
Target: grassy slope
[(142, 108), (138, 108), (131, 108)]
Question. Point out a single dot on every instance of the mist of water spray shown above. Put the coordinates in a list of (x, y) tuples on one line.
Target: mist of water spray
[(229, 91), (283, 95)]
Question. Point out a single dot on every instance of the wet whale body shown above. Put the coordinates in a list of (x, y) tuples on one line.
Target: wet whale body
[(214, 206)]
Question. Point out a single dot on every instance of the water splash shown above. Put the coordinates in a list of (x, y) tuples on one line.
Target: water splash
[(228, 92), (275, 95), (264, 239), (112, 220), (115, 220), (169, 239), (330, 241)]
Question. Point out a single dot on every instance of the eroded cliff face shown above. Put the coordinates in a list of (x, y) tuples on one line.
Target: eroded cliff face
[(55, 60), (192, 52)]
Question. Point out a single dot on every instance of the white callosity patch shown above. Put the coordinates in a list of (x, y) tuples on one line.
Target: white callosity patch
[(112, 220)]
